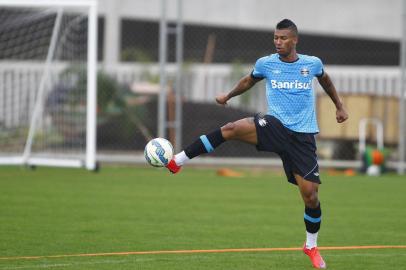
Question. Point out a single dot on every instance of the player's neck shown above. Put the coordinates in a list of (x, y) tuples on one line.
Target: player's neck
[(292, 57)]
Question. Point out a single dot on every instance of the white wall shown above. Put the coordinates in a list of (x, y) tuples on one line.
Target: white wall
[(357, 18)]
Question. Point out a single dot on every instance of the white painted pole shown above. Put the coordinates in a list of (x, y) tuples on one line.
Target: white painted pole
[(91, 89), (178, 83), (112, 36), (402, 119), (163, 40), (362, 131)]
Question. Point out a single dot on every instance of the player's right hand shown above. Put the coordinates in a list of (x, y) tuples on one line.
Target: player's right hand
[(341, 115), (222, 99)]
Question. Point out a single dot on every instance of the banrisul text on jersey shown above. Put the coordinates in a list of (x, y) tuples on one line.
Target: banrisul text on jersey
[(291, 85)]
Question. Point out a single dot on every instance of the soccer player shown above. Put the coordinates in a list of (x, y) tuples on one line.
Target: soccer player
[(289, 126)]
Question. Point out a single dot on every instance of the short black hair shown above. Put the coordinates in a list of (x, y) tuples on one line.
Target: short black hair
[(287, 24)]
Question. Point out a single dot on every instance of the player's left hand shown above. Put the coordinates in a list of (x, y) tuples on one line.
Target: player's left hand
[(341, 115), (222, 99)]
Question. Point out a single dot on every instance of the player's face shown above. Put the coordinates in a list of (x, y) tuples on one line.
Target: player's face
[(285, 41)]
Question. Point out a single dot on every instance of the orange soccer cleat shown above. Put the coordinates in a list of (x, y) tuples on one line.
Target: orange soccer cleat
[(315, 257), (173, 167)]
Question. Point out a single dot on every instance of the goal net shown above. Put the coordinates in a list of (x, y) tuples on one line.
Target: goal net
[(48, 83)]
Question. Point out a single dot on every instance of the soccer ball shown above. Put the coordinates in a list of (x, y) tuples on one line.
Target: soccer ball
[(374, 170), (158, 152)]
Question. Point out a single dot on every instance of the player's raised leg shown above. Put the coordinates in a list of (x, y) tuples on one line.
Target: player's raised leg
[(242, 130), (312, 219)]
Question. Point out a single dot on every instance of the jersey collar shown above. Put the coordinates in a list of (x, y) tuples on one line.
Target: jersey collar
[(297, 59)]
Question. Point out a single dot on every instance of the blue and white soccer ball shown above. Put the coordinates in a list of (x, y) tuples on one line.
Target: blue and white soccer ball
[(158, 152)]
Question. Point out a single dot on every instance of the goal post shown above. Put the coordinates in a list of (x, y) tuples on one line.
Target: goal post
[(48, 96)]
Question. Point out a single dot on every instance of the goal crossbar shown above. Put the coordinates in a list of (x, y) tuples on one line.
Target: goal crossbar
[(48, 3)]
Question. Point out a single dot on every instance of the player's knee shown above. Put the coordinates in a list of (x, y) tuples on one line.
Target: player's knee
[(228, 130), (311, 199), (229, 126)]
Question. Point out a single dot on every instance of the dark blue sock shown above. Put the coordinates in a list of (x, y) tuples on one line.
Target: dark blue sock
[(312, 219), (205, 144)]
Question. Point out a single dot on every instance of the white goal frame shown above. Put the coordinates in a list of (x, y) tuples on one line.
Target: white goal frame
[(89, 161)]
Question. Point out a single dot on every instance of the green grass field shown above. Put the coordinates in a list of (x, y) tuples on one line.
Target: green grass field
[(49, 212)]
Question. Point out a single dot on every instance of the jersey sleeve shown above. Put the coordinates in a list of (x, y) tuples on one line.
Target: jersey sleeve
[(258, 71), (319, 68)]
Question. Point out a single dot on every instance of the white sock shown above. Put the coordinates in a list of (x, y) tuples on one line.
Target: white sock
[(311, 240), (181, 158)]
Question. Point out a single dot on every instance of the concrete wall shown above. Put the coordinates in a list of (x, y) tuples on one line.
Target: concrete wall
[(355, 18)]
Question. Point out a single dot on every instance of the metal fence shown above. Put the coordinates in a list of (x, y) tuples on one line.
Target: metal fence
[(365, 71), (376, 89), (211, 59)]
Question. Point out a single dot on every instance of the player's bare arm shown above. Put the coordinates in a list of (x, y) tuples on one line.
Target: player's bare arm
[(329, 88), (244, 84)]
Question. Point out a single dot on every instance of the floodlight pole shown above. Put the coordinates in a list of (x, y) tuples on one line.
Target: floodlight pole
[(402, 90), (178, 79), (91, 114), (163, 40)]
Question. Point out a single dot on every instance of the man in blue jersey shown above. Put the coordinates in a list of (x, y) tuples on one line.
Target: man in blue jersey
[(289, 126)]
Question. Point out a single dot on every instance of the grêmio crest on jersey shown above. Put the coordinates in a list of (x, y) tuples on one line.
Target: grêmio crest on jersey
[(305, 72)]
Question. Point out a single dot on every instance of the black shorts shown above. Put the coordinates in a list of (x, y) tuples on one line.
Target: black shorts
[(297, 150)]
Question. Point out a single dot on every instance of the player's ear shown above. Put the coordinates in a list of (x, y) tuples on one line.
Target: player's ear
[(295, 39)]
